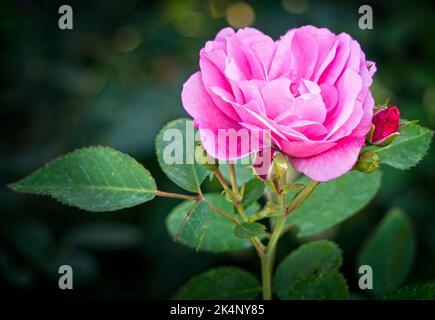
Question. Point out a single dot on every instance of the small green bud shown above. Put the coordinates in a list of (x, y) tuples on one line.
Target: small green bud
[(368, 161), (279, 167), (204, 159)]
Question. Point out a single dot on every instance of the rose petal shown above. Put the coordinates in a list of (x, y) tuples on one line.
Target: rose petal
[(349, 86), (331, 163), (335, 68), (199, 105)]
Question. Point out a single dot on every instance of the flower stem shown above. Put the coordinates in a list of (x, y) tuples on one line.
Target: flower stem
[(267, 260), (222, 180), (177, 195), (236, 200), (301, 197), (233, 178), (222, 213)]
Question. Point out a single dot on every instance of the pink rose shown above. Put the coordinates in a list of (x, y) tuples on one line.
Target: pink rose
[(386, 124), (309, 91)]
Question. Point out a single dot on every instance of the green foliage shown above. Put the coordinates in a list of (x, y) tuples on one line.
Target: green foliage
[(221, 283), (408, 149), (243, 169), (311, 272), (186, 174), (254, 190), (390, 252), (252, 209), (421, 291), (248, 230), (334, 201), (205, 229), (269, 210), (93, 179)]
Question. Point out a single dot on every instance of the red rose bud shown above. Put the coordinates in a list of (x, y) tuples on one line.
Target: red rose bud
[(385, 124)]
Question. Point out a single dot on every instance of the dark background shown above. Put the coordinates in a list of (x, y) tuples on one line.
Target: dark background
[(116, 78)]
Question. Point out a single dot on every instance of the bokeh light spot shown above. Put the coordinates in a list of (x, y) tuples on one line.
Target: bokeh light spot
[(190, 23), (240, 15)]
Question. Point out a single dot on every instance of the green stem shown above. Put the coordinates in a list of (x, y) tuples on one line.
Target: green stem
[(241, 211), (266, 277), (235, 197), (255, 241), (222, 213), (267, 260), (233, 178), (176, 195), (222, 180), (301, 197)]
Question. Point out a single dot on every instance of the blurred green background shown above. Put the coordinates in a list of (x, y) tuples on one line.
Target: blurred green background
[(116, 78)]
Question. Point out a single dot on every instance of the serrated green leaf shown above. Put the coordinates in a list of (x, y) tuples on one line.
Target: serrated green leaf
[(184, 172), (311, 272), (254, 190), (206, 230), (248, 230), (408, 149), (252, 209), (93, 179), (334, 201), (326, 286), (227, 283), (390, 252), (421, 291), (269, 210)]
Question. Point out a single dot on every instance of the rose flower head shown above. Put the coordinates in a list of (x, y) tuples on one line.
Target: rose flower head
[(308, 93)]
